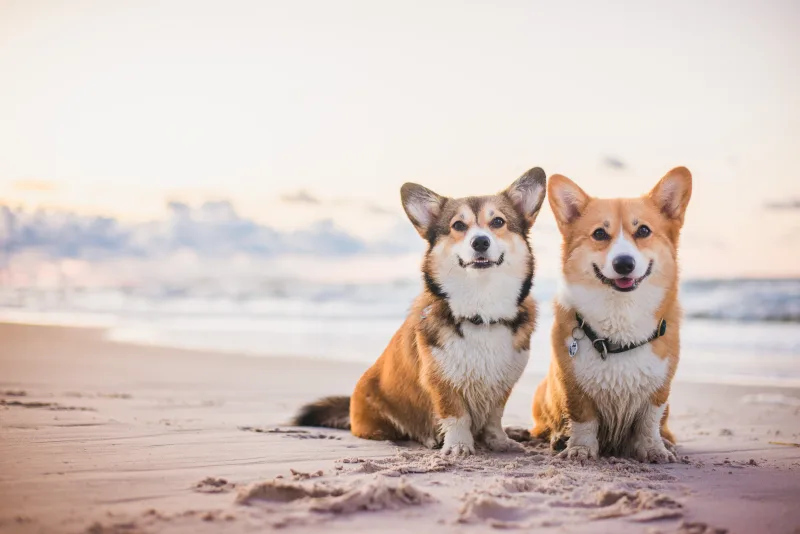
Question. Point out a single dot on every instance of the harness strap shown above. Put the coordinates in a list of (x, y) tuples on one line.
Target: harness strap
[(605, 347)]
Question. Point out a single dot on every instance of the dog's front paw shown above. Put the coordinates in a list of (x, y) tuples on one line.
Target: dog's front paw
[(503, 444), (430, 442), (458, 449), (579, 453), (670, 446), (654, 452), (458, 439)]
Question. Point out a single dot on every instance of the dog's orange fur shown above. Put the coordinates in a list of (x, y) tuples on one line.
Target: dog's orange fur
[(560, 400), (427, 381), (405, 389), (405, 384)]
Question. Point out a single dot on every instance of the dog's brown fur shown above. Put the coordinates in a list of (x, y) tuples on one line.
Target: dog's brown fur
[(561, 400), (407, 394)]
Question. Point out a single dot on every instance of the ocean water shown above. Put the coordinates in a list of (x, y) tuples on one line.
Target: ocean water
[(735, 331)]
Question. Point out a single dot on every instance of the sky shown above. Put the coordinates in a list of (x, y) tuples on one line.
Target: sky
[(307, 111)]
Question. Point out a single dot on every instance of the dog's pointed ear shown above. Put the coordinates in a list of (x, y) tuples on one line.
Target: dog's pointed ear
[(422, 206), (527, 193), (567, 200), (672, 193)]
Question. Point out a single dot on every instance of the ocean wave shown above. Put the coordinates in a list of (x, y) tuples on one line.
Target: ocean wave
[(743, 300), (715, 300)]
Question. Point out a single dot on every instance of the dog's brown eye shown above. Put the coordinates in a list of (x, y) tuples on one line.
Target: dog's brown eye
[(459, 226), (497, 222), (642, 231), (601, 235)]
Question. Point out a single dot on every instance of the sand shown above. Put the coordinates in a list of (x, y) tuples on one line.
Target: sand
[(97, 437)]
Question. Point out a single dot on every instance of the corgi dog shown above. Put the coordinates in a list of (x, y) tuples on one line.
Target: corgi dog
[(446, 374), (616, 336)]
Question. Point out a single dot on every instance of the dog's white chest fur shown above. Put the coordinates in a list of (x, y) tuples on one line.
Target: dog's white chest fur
[(637, 373), (626, 318), (621, 387), (483, 366), (622, 384)]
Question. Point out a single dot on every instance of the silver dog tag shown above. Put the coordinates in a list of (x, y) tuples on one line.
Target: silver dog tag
[(573, 348)]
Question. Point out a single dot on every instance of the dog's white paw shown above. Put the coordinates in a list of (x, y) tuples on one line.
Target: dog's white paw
[(458, 449), (654, 452), (503, 444), (458, 438), (430, 443), (579, 453)]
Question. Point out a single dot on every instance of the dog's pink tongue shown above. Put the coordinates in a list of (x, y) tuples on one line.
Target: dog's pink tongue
[(624, 283)]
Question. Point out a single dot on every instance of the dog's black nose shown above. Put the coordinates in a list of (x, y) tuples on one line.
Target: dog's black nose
[(624, 265), (481, 243)]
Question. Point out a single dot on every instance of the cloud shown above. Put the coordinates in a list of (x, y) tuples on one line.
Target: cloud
[(791, 204), (614, 163), (377, 209), (369, 207), (37, 186), (60, 234), (211, 230), (300, 197)]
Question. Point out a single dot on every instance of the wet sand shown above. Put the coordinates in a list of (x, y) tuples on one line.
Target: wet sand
[(101, 437)]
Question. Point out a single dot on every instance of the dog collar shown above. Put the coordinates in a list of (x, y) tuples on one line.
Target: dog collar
[(603, 345), (477, 320)]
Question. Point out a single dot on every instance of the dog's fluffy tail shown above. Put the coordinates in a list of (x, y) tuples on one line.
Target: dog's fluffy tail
[(330, 412)]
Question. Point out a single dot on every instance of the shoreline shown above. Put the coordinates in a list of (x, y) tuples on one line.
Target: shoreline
[(97, 435), (695, 371)]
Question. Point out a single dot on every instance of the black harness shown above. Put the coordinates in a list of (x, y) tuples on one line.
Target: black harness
[(478, 320), (513, 323), (606, 347)]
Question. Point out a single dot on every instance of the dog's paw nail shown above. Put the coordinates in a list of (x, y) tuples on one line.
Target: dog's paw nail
[(505, 445), (579, 453), (654, 454), (457, 450)]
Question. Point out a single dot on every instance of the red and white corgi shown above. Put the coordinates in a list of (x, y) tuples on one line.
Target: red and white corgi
[(616, 332), (448, 371)]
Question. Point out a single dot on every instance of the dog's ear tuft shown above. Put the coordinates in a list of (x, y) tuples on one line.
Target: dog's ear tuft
[(567, 200), (672, 193), (527, 193), (422, 206)]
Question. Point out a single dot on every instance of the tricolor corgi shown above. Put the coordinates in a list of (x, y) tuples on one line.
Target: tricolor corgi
[(616, 332), (446, 375)]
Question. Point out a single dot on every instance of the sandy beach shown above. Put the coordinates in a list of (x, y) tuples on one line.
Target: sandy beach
[(102, 437)]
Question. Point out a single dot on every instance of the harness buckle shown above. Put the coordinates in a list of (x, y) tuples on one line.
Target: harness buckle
[(602, 349)]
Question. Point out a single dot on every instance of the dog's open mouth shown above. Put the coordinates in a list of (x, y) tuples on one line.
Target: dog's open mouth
[(481, 262), (625, 283)]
